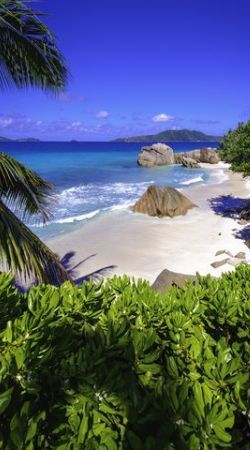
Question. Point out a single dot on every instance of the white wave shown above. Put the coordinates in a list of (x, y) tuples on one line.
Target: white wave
[(77, 218), (112, 187), (124, 205), (71, 219), (193, 180), (218, 176)]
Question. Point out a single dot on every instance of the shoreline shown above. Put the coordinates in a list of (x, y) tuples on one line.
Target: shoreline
[(121, 242)]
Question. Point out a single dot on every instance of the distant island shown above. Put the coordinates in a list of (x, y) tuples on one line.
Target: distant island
[(4, 139), (173, 136)]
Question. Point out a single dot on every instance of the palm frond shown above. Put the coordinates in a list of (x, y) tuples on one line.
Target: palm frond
[(28, 53), (22, 188), (22, 252)]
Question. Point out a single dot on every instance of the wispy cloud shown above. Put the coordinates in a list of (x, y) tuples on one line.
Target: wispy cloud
[(206, 121), (68, 97), (162, 118), (76, 126), (102, 114), (15, 121), (62, 128), (5, 122)]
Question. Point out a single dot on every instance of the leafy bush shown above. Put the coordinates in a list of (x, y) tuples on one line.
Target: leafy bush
[(235, 148), (119, 366)]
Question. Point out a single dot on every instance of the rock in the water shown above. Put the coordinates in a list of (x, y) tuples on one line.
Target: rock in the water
[(227, 252), (156, 155), (220, 252), (240, 255), (168, 278), (163, 201), (202, 155), (178, 158), (220, 263), (190, 163)]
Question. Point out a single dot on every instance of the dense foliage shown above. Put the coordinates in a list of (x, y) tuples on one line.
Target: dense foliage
[(119, 366), (235, 148)]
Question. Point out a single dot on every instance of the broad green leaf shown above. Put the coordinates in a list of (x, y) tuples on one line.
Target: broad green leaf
[(5, 399)]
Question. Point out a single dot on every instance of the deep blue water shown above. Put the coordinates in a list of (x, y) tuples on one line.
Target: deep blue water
[(91, 178)]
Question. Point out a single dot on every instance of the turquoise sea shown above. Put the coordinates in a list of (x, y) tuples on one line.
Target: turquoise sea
[(92, 178)]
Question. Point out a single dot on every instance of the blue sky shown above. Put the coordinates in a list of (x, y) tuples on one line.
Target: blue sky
[(138, 67)]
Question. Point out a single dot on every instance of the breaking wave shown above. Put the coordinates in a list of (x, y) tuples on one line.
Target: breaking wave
[(192, 181)]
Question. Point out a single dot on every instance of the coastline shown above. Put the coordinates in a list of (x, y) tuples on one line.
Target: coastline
[(121, 242)]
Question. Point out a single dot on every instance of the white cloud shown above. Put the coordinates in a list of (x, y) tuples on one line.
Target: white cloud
[(76, 126), (102, 114), (16, 122), (68, 97), (162, 118), (6, 121)]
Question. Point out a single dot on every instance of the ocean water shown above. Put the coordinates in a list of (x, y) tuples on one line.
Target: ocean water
[(93, 178)]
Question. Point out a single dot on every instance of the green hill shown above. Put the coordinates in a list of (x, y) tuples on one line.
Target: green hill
[(173, 136)]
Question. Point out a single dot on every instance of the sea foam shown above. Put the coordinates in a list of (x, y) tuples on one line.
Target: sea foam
[(79, 218), (193, 180)]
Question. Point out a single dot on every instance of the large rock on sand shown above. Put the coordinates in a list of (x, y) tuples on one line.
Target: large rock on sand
[(202, 155), (163, 201), (156, 155), (168, 278)]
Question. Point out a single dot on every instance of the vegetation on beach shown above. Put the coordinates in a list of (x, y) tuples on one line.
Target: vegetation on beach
[(235, 147), (120, 366), (29, 57)]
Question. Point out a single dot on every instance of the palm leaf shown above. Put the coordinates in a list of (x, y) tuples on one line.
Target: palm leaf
[(23, 189), (22, 252), (28, 53)]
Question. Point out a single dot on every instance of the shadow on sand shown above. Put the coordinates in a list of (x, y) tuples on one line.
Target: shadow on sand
[(67, 263), (231, 207), (243, 234), (228, 206), (71, 268)]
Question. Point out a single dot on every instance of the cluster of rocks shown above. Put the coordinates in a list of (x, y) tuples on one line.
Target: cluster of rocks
[(203, 155), (168, 278), (161, 154), (232, 260), (163, 201)]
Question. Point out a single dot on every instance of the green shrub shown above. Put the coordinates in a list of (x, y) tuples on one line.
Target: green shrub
[(119, 366), (235, 148)]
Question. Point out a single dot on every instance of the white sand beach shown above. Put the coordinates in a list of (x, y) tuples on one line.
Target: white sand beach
[(121, 242)]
